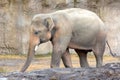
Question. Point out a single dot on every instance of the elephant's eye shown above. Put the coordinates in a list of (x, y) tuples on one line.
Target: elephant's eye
[(37, 32)]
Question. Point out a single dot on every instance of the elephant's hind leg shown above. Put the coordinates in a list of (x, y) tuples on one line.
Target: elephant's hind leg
[(82, 57), (98, 52)]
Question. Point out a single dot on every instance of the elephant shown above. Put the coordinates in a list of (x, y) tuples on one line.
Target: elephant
[(74, 28)]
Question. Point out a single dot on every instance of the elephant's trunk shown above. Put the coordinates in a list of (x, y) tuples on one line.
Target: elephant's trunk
[(32, 47), (29, 59)]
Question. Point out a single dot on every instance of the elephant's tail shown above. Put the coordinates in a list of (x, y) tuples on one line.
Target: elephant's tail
[(113, 54)]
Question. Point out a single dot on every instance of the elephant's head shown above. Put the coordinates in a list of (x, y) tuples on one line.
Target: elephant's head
[(40, 32)]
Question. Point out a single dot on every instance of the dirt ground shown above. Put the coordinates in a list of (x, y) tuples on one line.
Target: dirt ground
[(11, 63)]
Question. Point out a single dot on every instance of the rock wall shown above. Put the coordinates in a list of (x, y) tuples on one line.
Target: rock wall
[(110, 71), (15, 18)]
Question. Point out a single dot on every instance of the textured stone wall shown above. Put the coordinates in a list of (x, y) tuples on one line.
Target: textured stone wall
[(15, 17), (110, 71)]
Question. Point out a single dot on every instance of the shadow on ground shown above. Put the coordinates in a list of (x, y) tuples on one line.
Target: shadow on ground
[(109, 71)]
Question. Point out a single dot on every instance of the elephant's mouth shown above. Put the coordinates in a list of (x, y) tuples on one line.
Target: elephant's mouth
[(42, 41)]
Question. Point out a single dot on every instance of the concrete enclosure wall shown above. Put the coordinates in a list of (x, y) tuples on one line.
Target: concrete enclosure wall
[(15, 18)]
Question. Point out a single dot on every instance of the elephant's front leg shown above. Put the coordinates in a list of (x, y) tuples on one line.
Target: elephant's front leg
[(58, 51), (66, 58), (60, 43)]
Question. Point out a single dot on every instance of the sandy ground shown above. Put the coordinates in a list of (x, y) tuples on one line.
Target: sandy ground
[(10, 63)]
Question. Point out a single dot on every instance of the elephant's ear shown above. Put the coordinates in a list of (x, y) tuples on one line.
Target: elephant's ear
[(49, 23)]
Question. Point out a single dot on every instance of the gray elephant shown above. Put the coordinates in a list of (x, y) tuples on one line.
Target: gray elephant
[(74, 28)]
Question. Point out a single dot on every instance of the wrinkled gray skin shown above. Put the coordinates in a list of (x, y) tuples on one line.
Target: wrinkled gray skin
[(78, 29)]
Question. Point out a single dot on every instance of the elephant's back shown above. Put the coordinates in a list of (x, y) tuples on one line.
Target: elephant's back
[(77, 14), (73, 12)]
